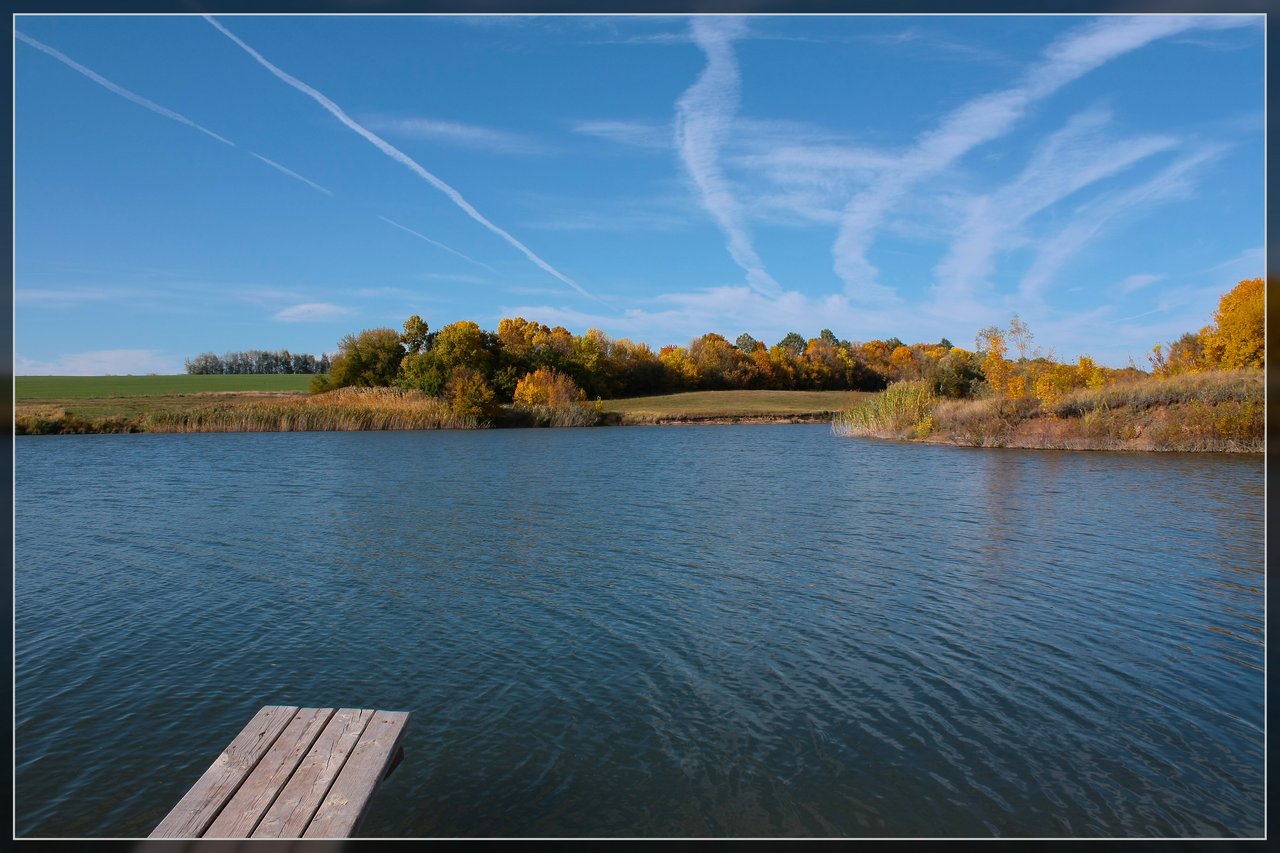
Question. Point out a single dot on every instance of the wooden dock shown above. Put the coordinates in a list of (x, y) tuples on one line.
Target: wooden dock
[(292, 773)]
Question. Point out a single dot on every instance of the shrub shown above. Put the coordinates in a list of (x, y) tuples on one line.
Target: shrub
[(469, 394)]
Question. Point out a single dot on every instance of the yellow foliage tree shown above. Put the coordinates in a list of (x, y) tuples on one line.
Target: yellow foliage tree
[(548, 387), (469, 393), (1237, 339), (991, 341), (680, 366)]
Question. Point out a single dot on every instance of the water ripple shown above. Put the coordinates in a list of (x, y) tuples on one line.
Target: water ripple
[(740, 631)]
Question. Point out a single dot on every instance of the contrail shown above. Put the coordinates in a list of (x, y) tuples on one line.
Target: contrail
[(436, 243), (119, 90), (399, 156), (273, 164)]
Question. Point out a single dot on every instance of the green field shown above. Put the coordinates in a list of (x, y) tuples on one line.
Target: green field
[(31, 389), (700, 405)]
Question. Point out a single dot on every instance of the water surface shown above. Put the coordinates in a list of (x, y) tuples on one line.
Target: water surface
[(677, 631)]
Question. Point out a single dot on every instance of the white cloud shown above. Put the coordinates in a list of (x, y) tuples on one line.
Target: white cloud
[(71, 296), (640, 134), (106, 362), (311, 312), (704, 120), (1172, 182), (1139, 281), (989, 117), (1077, 155)]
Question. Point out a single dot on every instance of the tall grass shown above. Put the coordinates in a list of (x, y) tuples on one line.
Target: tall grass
[(902, 410), (339, 410), (573, 415), (1210, 388), (1218, 411)]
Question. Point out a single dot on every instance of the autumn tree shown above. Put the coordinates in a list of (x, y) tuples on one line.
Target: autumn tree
[(414, 337), (719, 363), (681, 370), (548, 387), (991, 343), (1237, 338), (469, 394), (1020, 336)]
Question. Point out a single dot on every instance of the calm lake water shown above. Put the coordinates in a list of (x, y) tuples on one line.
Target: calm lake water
[(671, 631)]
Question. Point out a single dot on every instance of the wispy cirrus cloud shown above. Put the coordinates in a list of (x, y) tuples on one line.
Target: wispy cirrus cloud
[(989, 117), (456, 133), (936, 47), (1137, 281), (59, 297), (311, 312), (273, 164), (704, 119), (1077, 155), (637, 133), (119, 90), (106, 362), (397, 155), (1172, 182)]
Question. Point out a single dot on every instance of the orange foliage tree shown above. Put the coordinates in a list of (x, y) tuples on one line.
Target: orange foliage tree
[(548, 387)]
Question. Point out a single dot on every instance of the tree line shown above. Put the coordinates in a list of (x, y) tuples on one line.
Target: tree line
[(530, 363), (258, 361)]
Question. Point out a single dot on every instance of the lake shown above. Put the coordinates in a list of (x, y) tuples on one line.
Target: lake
[(699, 631)]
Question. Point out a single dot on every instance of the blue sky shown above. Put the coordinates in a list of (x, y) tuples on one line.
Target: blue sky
[(185, 184)]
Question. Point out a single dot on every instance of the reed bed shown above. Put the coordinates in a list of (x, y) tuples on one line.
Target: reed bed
[(583, 415), (902, 410), (54, 420), (341, 410), (1216, 412)]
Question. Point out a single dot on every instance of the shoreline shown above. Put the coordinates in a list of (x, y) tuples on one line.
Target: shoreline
[(612, 419)]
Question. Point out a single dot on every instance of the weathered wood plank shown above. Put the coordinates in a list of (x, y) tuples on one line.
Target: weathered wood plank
[(200, 805), (289, 815), (243, 811), (349, 797)]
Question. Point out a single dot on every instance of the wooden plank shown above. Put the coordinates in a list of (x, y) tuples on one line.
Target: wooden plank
[(243, 811), (301, 797), (200, 805), (349, 797)]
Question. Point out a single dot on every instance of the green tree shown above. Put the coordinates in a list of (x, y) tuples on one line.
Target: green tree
[(415, 334), (371, 358), (746, 343), (793, 342)]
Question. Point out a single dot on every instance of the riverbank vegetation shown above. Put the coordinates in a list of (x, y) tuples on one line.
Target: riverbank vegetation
[(1206, 392)]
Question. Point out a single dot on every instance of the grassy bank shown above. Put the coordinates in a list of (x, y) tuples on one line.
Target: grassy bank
[(1221, 411), (58, 389), (158, 409), (730, 406)]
